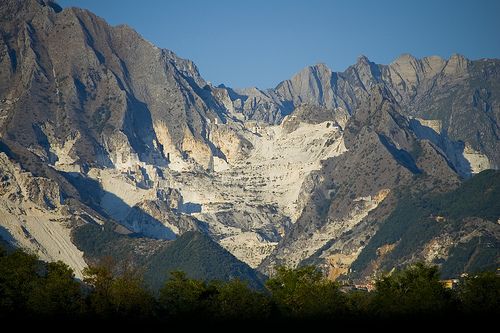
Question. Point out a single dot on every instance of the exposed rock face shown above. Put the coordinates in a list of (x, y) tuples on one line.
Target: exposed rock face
[(78, 94), (465, 160), (249, 206), (33, 216), (105, 136), (155, 219), (461, 94), (382, 154), (232, 145)]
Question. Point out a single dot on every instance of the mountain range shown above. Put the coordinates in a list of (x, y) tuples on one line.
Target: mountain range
[(111, 146)]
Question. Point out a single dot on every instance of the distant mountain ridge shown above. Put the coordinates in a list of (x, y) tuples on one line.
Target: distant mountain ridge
[(429, 88)]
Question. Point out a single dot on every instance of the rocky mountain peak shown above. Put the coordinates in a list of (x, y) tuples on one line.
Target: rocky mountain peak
[(362, 60), (318, 71), (367, 72), (456, 65), (321, 67), (405, 58), (433, 65), (312, 85), (19, 10), (408, 68)]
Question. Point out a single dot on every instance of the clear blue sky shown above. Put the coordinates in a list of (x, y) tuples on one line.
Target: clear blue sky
[(262, 42)]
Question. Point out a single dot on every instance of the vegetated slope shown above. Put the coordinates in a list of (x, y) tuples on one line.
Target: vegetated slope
[(193, 252), (199, 257), (458, 230)]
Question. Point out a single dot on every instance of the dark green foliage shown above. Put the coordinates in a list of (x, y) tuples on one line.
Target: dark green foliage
[(18, 279), (304, 292), (479, 196), (31, 289), (34, 288), (358, 303), (100, 279), (234, 300), (122, 295), (480, 293), (182, 297), (57, 292), (478, 254), (415, 291)]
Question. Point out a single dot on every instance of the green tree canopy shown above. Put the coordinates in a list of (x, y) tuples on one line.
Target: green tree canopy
[(118, 295), (480, 293), (183, 297), (57, 292), (18, 278), (305, 292), (415, 290), (234, 300)]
